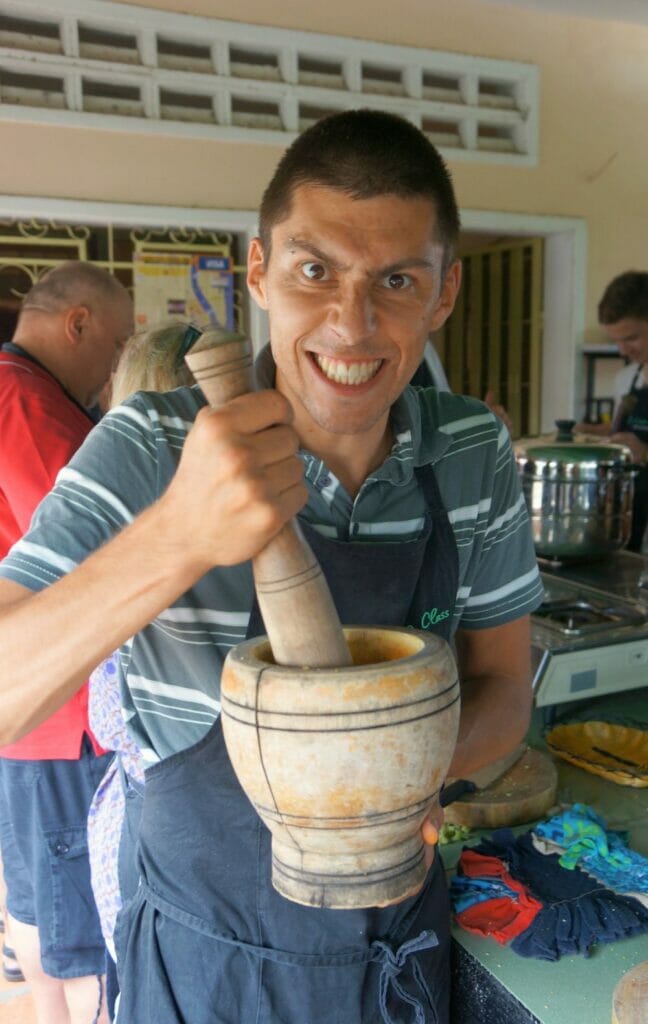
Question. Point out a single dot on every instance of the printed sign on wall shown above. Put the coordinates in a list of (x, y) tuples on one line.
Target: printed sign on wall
[(197, 287)]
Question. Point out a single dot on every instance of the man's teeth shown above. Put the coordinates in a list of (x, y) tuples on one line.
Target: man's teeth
[(348, 373)]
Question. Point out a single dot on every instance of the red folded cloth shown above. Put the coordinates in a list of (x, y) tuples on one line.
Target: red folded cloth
[(502, 918)]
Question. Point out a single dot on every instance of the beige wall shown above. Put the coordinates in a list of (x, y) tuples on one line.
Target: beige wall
[(593, 140)]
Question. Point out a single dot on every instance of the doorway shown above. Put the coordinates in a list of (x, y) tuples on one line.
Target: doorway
[(564, 269), (492, 342)]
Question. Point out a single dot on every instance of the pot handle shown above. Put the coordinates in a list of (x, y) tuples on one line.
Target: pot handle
[(565, 430)]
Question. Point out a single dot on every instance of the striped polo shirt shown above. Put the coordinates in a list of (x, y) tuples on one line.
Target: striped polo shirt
[(170, 671)]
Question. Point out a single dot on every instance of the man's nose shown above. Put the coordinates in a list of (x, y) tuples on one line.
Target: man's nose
[(353, 316)]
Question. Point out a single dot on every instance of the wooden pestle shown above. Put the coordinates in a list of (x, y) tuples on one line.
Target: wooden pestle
[(299, 615)]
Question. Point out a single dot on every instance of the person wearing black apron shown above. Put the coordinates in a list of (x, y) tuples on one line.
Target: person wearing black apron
[(291, 964), (353, 284), (623, 315), (632, 417)]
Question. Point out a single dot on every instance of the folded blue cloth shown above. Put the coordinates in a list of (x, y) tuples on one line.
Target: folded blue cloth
[(465, 891), (578, 911)]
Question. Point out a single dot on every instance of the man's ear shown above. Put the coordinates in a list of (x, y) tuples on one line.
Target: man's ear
[(448, 297), (75, 323), (256, 273)]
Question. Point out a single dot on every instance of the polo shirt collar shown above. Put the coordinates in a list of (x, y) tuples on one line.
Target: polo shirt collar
[(18, 350)]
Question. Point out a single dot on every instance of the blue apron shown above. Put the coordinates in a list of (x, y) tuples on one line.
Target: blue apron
[(634, 413), (206, 939)]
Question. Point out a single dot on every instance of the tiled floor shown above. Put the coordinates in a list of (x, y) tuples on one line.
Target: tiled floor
[(16, 1005)]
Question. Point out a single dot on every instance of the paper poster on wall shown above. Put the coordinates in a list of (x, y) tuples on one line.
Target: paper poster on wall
[(196, 287)]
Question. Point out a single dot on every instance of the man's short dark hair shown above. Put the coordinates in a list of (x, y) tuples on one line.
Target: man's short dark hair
[(626, 297), (364, 153)]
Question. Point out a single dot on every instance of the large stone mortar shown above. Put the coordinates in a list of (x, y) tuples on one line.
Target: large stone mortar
[(343, 764)]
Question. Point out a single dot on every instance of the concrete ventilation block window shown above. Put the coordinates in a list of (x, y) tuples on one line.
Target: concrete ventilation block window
[(324, 72), (248, 63), (184, 55), (496, 138), (442, 88), (111, 98), (33, 34), (309, 114), (253, 113), (32, 90), (383, 80), (497, 94), (239, 82), (442, 132), (105, 44), (186, 106)]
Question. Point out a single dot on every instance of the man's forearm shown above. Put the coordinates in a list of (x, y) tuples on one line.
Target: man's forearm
[(496, 694), (239, 480), (494, 718), (52, 640)]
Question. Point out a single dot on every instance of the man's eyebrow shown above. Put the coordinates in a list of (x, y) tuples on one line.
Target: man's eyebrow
[(313, 250), (407, 263)]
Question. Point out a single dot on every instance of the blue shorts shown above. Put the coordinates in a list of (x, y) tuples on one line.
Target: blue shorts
[(43, 834)]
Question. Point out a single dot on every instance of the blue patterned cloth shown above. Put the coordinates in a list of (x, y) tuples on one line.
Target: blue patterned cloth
[(466, 891), (587, 843)]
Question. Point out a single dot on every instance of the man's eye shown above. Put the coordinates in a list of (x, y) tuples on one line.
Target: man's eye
[(314, 271), (397, 282)]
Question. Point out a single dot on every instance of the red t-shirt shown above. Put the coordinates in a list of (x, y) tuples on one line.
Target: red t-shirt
[(40, 430)]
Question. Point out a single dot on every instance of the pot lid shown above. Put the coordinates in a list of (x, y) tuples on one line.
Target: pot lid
[(565, 449), (546, 450)]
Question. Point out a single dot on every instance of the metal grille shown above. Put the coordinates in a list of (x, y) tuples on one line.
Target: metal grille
[(29, 248)]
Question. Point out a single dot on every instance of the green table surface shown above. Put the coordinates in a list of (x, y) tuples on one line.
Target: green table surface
[(573, 990)]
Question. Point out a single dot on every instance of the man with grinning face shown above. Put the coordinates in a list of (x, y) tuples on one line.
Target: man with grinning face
[(168, 502)]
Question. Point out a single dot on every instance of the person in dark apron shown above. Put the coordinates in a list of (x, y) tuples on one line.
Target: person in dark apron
[(623, 314), (630, 427), (355, 271), (294, 964)]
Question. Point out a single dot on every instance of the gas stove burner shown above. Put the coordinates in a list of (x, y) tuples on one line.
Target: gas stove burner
[(589, 637), (577, 617)]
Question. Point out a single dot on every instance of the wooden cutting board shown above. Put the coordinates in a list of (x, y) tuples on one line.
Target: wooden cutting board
[(630, 999), (524, 793)]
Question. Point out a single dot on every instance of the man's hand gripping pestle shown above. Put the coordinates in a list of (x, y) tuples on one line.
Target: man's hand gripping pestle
[(299, 615)]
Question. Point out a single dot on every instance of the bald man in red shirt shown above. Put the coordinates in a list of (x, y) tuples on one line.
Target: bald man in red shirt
[(72, 326)]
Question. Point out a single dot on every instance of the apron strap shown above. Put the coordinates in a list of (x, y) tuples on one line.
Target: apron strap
[(392, 963)]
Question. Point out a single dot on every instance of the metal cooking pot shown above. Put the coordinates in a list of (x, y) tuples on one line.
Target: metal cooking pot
[(579, 494)]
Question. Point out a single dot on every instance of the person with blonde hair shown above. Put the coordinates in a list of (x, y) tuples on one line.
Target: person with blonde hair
[(152, 360)]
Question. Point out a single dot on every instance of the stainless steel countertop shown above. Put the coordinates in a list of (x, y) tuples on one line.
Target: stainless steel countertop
[(619, 574)]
